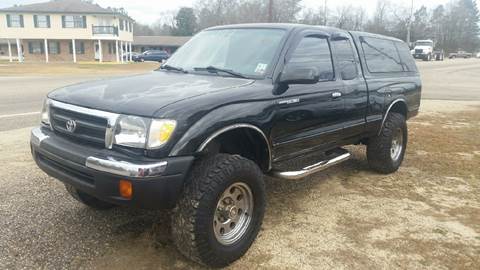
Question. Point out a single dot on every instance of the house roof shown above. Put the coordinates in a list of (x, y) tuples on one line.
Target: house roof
[(160, 40), (64, 6)]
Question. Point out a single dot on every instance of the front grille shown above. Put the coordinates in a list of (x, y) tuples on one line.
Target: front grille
[(89, 128), (418, 50)]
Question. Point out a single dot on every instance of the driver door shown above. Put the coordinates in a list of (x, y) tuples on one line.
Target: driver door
[(308, 117)]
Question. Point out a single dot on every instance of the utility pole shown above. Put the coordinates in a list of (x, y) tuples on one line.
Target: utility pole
[(409, 25), (325, 12), (270, 11)]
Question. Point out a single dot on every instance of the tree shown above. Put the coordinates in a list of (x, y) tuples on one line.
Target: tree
[(420, 26), (437, 24), (219, 12), (285, 11), (460, 26), (185, 22), (379, 23), (313, 16), (142, 29)]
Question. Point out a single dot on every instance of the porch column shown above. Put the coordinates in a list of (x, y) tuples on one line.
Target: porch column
[(130, 49), (9, 51), (121, 51), (19, 51), (100, 55), (46, 50), (74, 51), (116, 50)]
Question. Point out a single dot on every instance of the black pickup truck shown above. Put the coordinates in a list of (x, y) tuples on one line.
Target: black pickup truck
[(232, 105)]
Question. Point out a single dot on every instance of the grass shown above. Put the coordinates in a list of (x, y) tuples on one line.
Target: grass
[(81, 68)]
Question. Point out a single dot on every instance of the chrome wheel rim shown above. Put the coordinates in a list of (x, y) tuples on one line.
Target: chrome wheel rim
[(397, 144), (233, 213)]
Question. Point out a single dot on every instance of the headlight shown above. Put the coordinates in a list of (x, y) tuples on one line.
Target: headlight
[(45, 116), (139, 132), (160, 132), (131, 131)]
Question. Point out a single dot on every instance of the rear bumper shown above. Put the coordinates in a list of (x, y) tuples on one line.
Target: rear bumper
[(97, 172)]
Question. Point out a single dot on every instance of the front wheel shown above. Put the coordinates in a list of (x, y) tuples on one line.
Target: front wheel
[(221, 210), (385, 151)]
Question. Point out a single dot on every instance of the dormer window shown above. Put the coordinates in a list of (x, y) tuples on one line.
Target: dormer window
[(15, 20)]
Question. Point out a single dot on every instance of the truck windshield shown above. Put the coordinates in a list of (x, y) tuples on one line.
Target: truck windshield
[(423, 44), (247, 52)]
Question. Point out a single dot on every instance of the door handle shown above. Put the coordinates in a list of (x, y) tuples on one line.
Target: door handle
[(336, 94)]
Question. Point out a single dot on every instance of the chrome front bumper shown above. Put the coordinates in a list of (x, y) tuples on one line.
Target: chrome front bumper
[(108, 164)]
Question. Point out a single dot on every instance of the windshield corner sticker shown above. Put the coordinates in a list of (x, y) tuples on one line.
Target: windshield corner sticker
[(261, 68)]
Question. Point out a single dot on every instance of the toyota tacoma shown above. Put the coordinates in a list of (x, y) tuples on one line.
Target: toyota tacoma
[(233, 104)]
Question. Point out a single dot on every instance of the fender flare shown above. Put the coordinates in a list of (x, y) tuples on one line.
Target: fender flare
[(388, 111), (236, 126)]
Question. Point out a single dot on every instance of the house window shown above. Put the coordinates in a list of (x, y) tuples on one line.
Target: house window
[(131, 27), (54, 47), (14, 20), (79, 47), (41, 21), (74, 21), (122, 26), (35, 47)]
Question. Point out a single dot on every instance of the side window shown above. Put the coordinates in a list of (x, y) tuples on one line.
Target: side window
[(345, 55), (381, 55), (406, 57), (313, 51)]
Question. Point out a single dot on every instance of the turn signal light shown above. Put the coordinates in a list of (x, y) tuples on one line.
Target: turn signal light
[(125, 188)]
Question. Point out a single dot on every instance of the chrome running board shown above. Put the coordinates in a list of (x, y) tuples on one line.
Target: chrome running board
[(319, 166)]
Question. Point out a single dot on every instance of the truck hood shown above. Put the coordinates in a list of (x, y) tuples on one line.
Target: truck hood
[(144, 94)]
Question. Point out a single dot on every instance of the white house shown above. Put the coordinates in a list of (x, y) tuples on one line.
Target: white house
[(65, 30)]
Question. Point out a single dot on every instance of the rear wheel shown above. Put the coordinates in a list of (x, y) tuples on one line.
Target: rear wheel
[(88, 200), (385, 151), (221, 211)]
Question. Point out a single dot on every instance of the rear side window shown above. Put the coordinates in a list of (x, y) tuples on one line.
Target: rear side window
[(381, 55), (405, 56), (346, 58), (314, 51)]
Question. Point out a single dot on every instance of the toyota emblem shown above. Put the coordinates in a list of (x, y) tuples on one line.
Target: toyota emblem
[(71, 125)]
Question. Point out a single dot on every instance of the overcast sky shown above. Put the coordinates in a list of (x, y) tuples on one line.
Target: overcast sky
[(148, 11)]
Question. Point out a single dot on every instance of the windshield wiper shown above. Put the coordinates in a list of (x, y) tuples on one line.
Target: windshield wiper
[(213, 69), (168, 67)]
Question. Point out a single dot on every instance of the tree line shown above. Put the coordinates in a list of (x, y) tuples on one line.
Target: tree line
[(452, 26)]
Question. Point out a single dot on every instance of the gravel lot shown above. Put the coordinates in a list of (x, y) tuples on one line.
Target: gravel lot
[(427, 215)]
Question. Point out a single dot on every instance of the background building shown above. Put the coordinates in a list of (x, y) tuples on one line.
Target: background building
[(166, 43), (65, 30)]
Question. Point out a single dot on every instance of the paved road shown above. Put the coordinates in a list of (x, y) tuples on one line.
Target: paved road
[(451, 79), (21, 97)]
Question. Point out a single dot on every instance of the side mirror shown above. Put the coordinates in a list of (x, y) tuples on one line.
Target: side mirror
[(294, 74)]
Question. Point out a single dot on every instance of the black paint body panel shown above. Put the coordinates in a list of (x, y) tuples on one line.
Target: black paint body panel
[(302, 119)]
